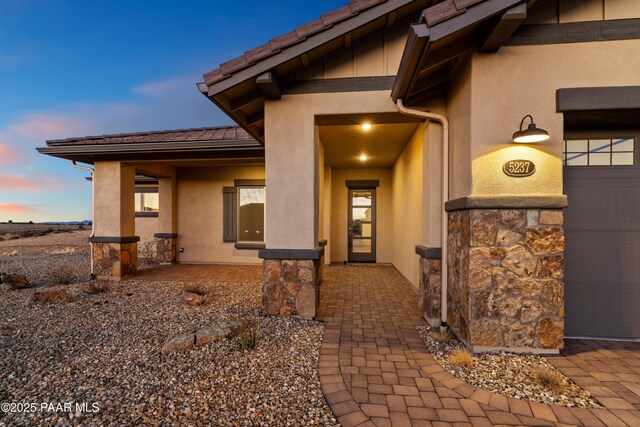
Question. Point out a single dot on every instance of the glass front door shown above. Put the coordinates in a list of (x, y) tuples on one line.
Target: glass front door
[(362, 225)]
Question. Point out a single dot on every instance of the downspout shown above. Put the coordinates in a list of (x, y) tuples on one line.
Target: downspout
[(93, 208), (445, 197)]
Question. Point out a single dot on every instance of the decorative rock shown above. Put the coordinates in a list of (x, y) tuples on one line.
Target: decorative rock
[(531, 310), (551, 266), (513, 220), (179, 342), (545, 240), (550, 333), (306, 301), (551, 217), (532, 218), (484, 225), (15, 281), (215, 332), (520, 261), (192, 299), (50, 295), (486, 333), (508, 238), (479, 268)]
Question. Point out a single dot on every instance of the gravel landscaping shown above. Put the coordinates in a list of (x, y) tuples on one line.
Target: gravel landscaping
[(508, 374), (104, 348)]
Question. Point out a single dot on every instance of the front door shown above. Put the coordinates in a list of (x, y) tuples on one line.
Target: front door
[(362, 225)]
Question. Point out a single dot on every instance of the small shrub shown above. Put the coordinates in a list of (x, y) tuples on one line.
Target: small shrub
[(63, 275), (442, 335), (461, 357), (97, 287), (247, 335), (548, 379)]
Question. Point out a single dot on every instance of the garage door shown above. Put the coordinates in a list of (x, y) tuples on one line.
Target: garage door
[(602, 226)]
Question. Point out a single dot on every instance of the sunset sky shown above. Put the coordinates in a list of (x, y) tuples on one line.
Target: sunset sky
[(76, 68)]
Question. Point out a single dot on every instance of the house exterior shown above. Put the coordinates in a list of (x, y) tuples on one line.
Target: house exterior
[(383, 132)]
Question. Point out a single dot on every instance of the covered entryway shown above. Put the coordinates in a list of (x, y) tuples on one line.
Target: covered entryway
[(602, 226)]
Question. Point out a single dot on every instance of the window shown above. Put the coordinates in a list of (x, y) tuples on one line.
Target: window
[(147, 201), (251, 214), (243, 213), (599, 152)]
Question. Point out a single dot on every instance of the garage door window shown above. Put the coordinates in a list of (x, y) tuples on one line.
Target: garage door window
[(599, 152)]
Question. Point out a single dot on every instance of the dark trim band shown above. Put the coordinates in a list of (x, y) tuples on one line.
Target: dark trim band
[(114, 239), (347, 84), (166, 235), (507, 202), (254, 246), (363, 183), (430, 253), (294, 254), (248, 182), (147, 214), (598, 98), (576, 32)]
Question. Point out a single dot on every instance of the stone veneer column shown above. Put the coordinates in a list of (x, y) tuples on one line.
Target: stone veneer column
[(291, 281), (114, 259), (166, 247), (505, 275), (430, 287)]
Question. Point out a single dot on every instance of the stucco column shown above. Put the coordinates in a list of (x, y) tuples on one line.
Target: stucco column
[(166, 237), (115, 251)]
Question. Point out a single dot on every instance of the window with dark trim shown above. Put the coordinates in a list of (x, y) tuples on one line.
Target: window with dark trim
[(244, 213), (147, 201), (599, 152)]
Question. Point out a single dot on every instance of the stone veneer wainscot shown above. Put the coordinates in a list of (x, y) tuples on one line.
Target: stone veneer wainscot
[(505, 278)]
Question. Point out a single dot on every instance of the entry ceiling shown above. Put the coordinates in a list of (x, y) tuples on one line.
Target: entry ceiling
[(382, 144)]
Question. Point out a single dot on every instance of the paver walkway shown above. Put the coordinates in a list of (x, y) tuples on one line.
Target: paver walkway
[(203, 272), (375, 369)]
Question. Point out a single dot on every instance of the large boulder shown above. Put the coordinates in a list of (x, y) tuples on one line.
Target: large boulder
[(205, 335), (50, 295), (15, 281)]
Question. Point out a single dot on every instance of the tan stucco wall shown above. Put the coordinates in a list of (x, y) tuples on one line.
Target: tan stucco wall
[(326, 216), (291, 158), (408, 208), (339, 213), (459, 115), (113, 194), (561, 11), (200, 214), (146, 227), (523, 80)]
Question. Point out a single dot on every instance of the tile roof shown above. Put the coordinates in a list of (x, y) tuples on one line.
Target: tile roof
[(208, 134), (446, 10), (296, 36), (440, 12)]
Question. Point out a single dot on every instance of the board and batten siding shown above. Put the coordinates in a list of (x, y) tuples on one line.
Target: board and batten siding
[(562, 11)]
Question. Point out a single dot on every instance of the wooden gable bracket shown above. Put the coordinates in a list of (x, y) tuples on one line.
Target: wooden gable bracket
[(497, 34), (269, 84)]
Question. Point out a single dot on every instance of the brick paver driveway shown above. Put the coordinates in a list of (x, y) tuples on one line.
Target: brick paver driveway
[(375, 370)]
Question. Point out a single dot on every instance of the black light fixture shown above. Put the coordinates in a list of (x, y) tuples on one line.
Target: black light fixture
[(531, 134)]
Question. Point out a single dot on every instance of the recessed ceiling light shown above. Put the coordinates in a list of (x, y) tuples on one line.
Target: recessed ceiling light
[(366, 126), (363, 157)]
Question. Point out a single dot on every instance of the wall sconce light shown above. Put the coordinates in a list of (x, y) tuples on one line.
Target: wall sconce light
[(531, 134), (366, 126)]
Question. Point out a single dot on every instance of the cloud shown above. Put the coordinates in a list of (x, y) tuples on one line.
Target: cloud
[(40, 126), (10, 155), (12, 207), (162, 88), (15, 182)]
